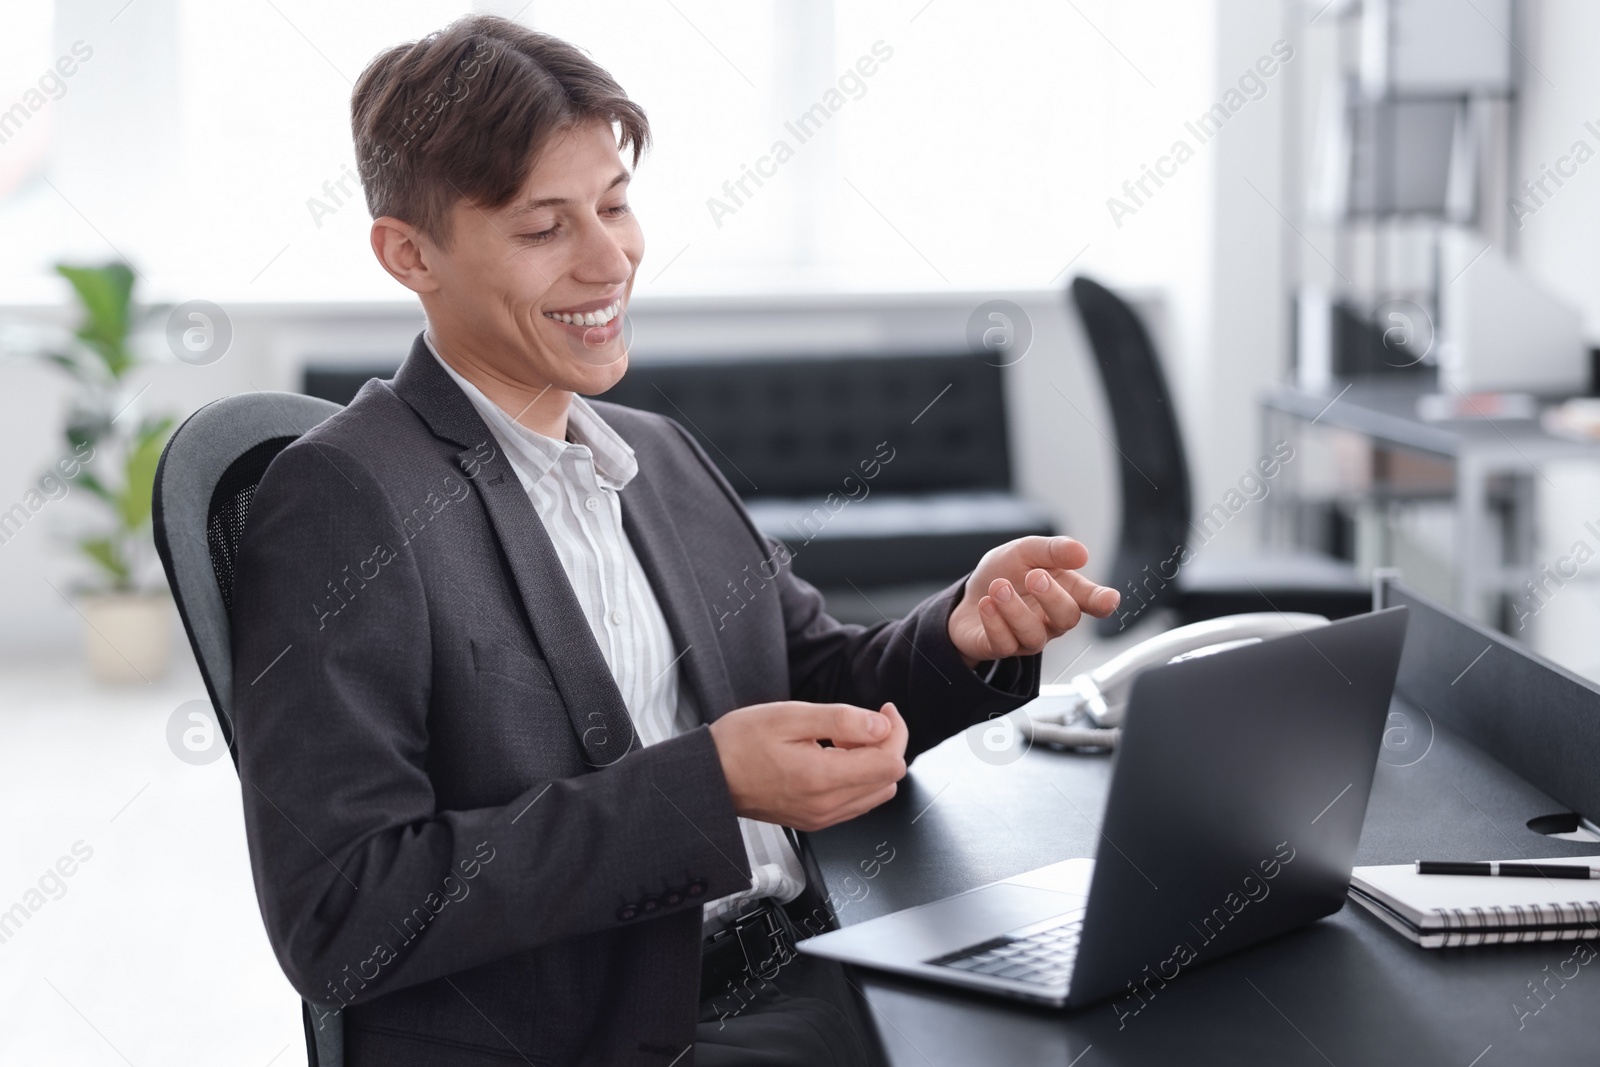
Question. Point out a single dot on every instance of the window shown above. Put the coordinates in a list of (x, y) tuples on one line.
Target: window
[(801, 144)]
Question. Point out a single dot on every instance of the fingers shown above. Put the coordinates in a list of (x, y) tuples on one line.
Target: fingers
[(849, 768), (862, 805), (1048, 569), (849, 725), (844, 770), (823, 818), (1097, 600), (1054, 553), (899, 732), (840, 783), (847, 804), (777, 771), (844, 724), (1016, 622), (1061, 611), (1011, 623), (996, 631)]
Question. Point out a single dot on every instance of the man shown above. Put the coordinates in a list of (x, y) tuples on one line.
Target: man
[(509, 782)]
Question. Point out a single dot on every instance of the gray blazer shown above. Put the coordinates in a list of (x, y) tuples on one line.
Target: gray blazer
[(458, 843)]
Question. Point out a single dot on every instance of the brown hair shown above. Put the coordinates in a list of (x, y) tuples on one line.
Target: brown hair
[(463, 113)]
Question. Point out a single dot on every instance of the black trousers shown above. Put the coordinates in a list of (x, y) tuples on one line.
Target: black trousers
[(806, 1015)]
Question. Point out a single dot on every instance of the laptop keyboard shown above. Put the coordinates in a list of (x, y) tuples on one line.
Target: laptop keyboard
[(1041, 953)]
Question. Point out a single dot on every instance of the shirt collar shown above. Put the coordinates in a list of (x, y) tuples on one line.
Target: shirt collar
[(533, 453)]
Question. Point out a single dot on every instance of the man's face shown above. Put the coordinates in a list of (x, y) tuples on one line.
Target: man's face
[(536, 289)]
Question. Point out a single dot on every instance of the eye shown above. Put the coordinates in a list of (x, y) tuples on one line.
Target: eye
[(541, 237), (617, 211)]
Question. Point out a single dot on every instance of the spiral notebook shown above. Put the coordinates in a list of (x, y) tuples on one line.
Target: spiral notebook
[(1447, 911)]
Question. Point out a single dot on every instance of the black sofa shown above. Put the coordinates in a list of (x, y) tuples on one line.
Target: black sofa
[(887, 476)]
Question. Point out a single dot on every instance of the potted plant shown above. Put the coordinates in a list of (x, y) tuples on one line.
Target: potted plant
[(126, 606)]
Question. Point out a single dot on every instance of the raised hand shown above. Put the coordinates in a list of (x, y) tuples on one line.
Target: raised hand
[(1024, 594)]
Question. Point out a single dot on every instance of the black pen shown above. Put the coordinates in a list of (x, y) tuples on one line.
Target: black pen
[(1508, 870)]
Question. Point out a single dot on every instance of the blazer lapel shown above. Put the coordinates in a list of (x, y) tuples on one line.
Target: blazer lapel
[(593, 701), (661, 552)]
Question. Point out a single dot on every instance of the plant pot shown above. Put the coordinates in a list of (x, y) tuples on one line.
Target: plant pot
[(128, 636)]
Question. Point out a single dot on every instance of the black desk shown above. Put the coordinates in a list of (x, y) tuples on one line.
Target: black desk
[(1346, 990)]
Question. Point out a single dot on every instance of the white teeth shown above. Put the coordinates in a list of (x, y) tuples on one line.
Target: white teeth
[(590, 318)]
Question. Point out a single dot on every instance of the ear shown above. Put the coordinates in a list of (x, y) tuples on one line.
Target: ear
[(404, 252)]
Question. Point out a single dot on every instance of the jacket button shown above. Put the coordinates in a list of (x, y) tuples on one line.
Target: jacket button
[(697, 888), (626, 912), (672, 898), (649, 904)]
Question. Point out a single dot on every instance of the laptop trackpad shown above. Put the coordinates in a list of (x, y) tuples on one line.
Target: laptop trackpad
[(930, 930)]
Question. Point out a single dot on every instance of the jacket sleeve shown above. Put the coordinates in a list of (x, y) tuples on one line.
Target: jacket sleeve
[(365, 885), (909, 661)]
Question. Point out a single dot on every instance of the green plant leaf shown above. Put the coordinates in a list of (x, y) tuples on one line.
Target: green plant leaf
[(95, 486), (87, 425), (134, 501), (106, 294), (107, 554), (69, 363)]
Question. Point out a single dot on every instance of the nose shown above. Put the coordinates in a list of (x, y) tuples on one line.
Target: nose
[(603, 254)]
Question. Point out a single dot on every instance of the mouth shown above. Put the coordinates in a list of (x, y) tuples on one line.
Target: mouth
[(587, 317)]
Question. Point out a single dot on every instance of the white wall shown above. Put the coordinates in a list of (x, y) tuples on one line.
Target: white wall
[(1246, 276), (1558, 245), (1218, 241), (1559, 96), (1227, 277)]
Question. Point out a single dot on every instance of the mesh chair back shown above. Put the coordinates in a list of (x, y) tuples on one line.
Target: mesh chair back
[(230, 506), (1154, 470), (204, 486)]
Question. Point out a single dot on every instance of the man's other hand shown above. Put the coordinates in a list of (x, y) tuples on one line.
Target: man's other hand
[(1022, 595), (778, 772)]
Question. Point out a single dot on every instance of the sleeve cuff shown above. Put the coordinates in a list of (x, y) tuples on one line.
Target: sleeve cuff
[(986, 690), (1011, 675)]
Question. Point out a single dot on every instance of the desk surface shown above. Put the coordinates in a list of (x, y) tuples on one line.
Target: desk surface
[(1388, 412), (1345, 990)]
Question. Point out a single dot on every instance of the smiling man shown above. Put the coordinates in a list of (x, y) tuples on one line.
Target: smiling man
[(511, 794)]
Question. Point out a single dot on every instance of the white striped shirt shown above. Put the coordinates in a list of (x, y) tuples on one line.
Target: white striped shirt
[(573, 486)]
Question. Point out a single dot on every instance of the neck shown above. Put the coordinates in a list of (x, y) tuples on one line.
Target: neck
[(537, 405)]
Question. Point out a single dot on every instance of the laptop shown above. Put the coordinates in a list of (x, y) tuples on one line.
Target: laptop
[(1240, 786)]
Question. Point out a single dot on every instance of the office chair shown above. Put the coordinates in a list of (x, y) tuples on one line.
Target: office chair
[(1157, 504), (204, 486)]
